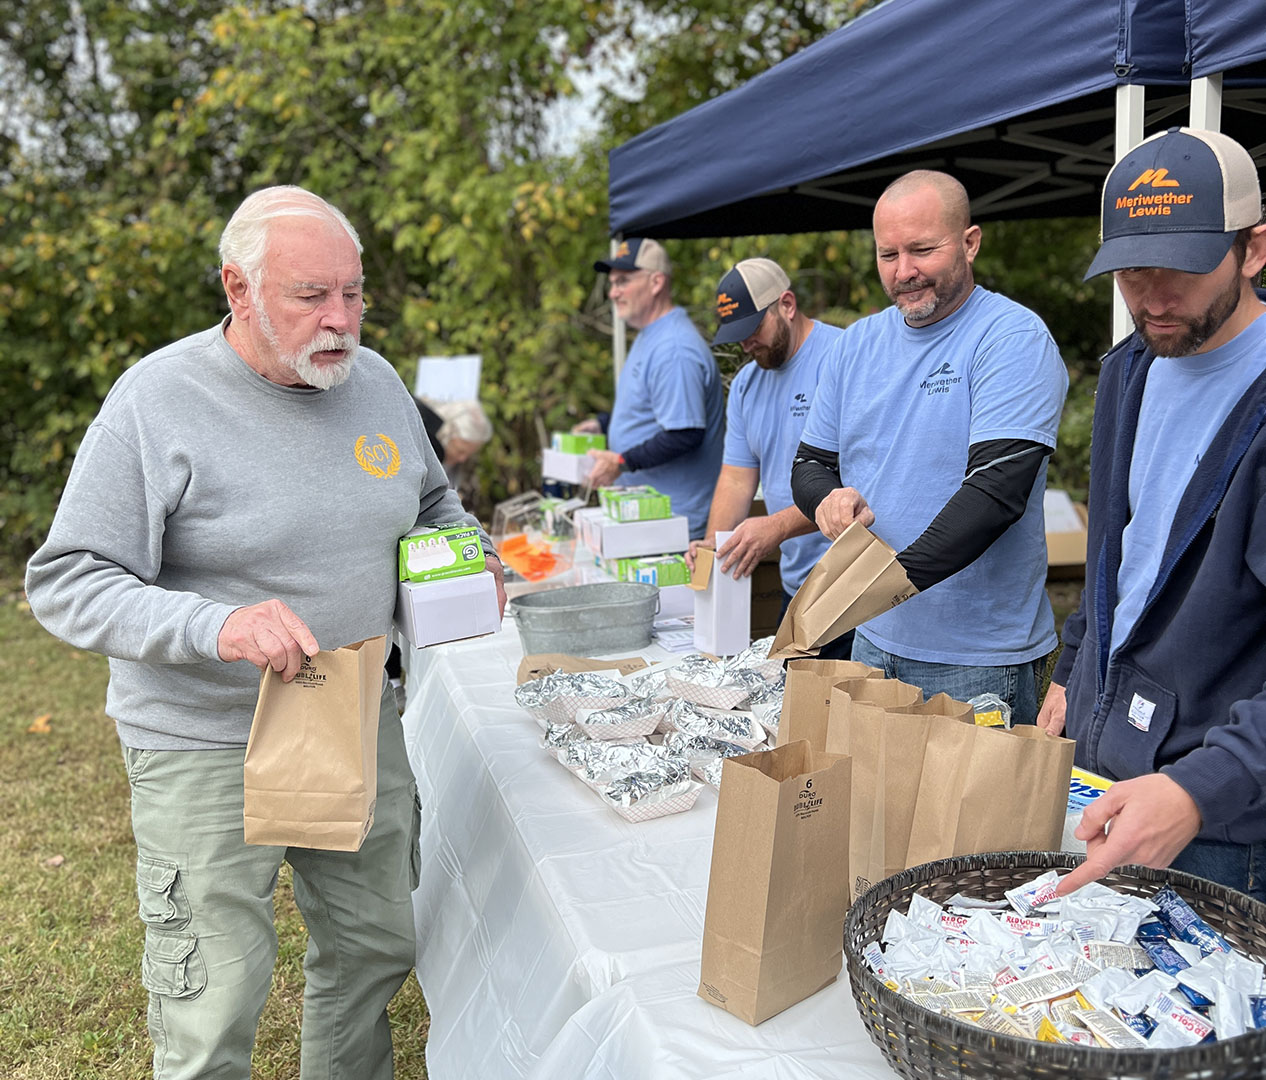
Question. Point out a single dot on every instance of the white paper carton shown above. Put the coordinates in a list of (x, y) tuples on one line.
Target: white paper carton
[(570, 468), (676, 601), (431, 612), (587, 526), (723, 611), (622, 539)]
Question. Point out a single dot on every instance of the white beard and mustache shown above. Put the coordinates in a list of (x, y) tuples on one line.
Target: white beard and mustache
[(319, 376)]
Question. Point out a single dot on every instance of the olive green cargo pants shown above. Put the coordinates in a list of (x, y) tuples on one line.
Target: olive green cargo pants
[(206, 899)]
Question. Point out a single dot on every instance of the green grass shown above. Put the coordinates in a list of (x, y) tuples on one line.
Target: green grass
[(71, 1002)]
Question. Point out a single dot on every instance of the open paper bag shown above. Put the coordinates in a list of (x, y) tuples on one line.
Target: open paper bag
[(773, 931), (311, 773), (857, 578), (806, 698), (929, 783)]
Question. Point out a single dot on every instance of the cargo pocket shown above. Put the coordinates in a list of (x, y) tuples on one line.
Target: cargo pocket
[(161, 893), (171, 965), (415, 836)]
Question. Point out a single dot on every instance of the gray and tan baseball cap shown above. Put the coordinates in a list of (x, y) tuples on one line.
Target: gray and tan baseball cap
[(636, 254), (744, 295), (1176, 202)]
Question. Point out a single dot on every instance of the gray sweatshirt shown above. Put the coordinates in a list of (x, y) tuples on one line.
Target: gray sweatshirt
[(202, 487)]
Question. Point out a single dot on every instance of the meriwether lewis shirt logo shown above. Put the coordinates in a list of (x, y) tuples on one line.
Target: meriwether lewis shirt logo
[(944, 369), (380, 459)]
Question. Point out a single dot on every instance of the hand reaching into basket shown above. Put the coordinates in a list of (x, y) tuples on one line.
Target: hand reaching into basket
[(1147, 820)]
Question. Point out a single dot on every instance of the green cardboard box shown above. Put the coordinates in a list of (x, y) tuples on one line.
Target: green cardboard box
[(639, 503), (433, 552), (567, 442), (661, 570)]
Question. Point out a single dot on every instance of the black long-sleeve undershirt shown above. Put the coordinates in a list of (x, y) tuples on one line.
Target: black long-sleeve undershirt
[(662, 447), (995, 490)]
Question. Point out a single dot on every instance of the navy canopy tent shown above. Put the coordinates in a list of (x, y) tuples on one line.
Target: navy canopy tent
[(1016, 99)]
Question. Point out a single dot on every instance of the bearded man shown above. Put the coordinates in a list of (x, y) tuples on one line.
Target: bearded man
[(239, 497), (931, 425), (769, 400), (1162, 681)]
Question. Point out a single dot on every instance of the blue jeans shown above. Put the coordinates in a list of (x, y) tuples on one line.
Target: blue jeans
[(1016, 684), (1237, 866), (839, 649)]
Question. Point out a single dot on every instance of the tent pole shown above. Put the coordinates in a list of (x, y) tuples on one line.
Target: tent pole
[(1129, 133), (1206, 102), (618, 339)]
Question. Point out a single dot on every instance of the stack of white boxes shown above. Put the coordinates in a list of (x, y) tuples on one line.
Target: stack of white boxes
[(630, 535)]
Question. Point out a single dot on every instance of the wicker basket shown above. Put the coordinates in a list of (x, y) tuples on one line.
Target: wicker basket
[(921, 1044)]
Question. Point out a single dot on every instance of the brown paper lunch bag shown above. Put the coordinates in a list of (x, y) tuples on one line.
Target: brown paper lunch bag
[(857, 578), (311, 773), (778, 887), (806, 696)]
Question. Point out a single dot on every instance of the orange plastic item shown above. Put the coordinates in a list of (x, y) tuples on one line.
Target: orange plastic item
[(527, 559)]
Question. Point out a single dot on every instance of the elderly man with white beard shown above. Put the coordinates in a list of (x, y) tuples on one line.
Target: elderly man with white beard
[(239, 498)]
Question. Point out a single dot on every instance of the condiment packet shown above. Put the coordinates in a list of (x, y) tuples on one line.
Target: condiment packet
[(959, 902), (1109, 1031), (1186, 925), (1033, 894), (924, 912), (1100, 989), (1041, 987), (1230, 1014), (1135, 997), (1168, 1013)]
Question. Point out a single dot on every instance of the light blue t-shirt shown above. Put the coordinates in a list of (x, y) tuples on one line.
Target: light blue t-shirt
[(764, 418), (670, 381), (1185, 402), (901, 405)]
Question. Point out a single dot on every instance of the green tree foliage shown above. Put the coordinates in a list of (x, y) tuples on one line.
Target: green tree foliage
[(130, 130)]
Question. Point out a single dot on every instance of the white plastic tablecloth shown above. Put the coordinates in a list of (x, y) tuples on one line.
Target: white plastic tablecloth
[(556, 940)]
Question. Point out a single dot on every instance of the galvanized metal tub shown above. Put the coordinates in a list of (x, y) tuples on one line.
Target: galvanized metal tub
[(583, 620)]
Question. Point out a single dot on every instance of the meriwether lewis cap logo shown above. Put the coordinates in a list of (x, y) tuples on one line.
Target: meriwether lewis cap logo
[(1176, 202)]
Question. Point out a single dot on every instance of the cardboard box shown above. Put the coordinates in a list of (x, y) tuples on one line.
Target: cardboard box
[(587, 531), (639, 502), (621, 539), (676, 601), (431, 552), (1065, 535), (569, 442), (431, 612), (570, 468), (723, 606)]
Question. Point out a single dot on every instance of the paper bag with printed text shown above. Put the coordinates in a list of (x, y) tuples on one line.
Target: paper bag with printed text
[(778, 888), (311, 773)]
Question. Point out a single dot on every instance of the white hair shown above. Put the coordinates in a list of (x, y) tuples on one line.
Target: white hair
[(244, 241), (462, 420)]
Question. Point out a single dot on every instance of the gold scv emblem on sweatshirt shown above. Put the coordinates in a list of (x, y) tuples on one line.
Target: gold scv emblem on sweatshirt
[(380, 459)]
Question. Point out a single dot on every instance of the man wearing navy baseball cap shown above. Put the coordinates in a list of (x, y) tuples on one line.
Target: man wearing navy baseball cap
[(1161, 678), (667, 422), (769, 400)]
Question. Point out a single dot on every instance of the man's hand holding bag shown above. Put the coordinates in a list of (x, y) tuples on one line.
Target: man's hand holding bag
[(857, 578)]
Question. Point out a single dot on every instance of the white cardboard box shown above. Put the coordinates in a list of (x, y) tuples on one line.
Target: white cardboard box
[(626, 539), (723, 611), (570, 468), (586, 521), (431, 612), (676, 601)]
